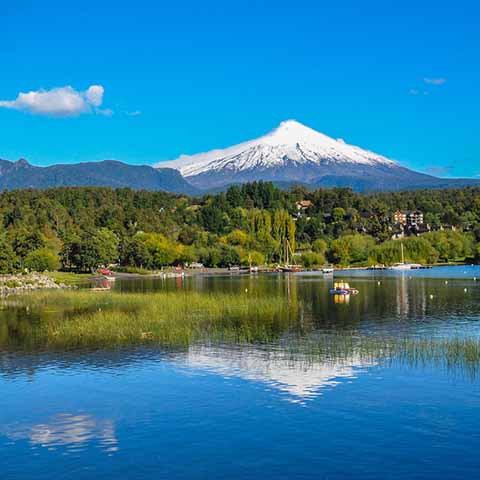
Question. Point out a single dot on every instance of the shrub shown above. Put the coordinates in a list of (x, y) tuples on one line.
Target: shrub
[(42, 259), (312, 259), (319, 246), (352, 249)]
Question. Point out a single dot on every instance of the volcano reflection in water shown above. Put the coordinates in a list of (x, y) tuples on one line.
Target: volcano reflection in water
[(299, 377)]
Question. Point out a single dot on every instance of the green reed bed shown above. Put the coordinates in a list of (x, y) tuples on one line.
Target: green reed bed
[(452, 352), (68, 319)]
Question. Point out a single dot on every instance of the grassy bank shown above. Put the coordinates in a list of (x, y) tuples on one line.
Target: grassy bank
[(136, 271), (69, 278)]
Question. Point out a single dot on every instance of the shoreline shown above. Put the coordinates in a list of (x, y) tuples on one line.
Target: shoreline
[(211, 271), (11, 284), (25, 282)]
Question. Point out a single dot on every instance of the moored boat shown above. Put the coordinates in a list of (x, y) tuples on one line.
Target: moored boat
[(287, 267), (343, 288), (290, 268), (404, 265)]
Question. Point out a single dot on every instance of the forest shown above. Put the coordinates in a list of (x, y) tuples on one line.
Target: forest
[(81, 228)]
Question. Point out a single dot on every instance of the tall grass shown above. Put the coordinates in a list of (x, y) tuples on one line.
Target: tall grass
[(69, 319), (63, 320), (452, 352)]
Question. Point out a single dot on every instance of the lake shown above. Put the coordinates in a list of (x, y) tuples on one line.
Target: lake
[(277, 407)]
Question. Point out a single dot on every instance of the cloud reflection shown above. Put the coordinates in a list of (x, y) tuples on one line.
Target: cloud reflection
[(67, 430)]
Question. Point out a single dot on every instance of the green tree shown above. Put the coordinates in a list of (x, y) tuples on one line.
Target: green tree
[(161, 250), (8, 258), (451, 245), (416, 249), (351, 249), (42, 259), (312, 259), (320, 246), (92, 249)]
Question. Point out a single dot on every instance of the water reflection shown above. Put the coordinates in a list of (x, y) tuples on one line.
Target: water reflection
[(176, 417), (341, 299), (299, 377), (74, 432), (387, 307), (385, 297)]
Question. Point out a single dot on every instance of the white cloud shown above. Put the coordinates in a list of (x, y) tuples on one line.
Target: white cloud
[(415, 92), (435, 81), (59, 102), (94, 95), (106, 112)]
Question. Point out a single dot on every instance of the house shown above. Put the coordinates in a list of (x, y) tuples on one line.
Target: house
[(196, 265), (409, 218), (304, 204), (409, 222)]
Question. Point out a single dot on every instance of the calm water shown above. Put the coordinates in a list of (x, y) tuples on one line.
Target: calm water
[(250, 411)]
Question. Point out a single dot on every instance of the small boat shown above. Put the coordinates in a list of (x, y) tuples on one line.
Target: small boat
[(404, 265), (287, 267), (343, 288), (327, 270), (290, 268), (106, 272)]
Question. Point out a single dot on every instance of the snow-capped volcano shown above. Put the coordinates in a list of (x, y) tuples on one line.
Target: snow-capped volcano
[(295, 153), (289, 142)]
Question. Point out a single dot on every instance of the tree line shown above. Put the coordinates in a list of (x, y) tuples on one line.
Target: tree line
[(81, 228)]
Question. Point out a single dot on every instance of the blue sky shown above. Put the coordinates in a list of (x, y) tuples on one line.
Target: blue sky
[(399, 78)]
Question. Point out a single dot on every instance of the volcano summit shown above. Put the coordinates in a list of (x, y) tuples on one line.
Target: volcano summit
[(295, 153)]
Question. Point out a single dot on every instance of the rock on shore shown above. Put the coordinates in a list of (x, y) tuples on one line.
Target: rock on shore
[(12, 284)]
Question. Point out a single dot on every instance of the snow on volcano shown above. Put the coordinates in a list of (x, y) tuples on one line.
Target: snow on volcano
[(291, 142)]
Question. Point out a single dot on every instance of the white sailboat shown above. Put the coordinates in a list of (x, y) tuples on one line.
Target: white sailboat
[(404, 265)]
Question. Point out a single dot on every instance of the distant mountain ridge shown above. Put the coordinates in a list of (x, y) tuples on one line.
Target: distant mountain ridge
[(288, 155), (107, 173), (294, 153)]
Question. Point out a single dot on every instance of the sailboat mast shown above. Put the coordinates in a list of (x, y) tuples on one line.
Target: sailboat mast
[(403, 256)]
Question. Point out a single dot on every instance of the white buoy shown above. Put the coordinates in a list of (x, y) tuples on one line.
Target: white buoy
[(246, 290), (378, 283), (431, 296), (446, 282), (465, 290)]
